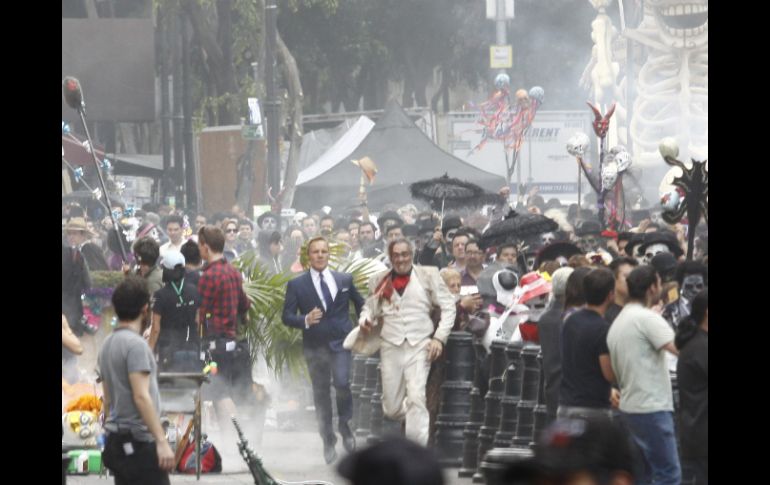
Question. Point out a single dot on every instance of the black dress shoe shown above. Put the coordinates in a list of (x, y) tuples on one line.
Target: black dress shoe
[(349, 442), (330, 453), (348, 439)]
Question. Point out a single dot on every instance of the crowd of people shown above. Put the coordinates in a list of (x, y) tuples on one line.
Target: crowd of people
[(616, 313)]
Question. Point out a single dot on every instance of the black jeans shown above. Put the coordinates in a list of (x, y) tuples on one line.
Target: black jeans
[(138, 468), (325, 365)]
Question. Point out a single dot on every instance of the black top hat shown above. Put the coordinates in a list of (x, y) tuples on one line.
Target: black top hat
[(266, 214), (588, 227), (451, 222), (662, 237), (554, 250), (636, 239), (426, 226), (388, 215)]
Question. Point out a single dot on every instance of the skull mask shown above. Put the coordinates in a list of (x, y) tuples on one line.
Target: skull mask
[(653, 250), (692, 284), (547, 238), (269, 224)]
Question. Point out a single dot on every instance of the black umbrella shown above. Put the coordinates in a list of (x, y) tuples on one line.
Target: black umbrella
[(450, 193), (517, 227)]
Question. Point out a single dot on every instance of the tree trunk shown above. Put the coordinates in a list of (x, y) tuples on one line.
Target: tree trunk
[(218, 58), (295, 128)]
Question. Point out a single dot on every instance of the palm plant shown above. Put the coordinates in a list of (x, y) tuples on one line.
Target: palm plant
[(280, 345)]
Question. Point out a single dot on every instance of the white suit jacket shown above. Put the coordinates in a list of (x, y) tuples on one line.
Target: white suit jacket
[(407, 316)]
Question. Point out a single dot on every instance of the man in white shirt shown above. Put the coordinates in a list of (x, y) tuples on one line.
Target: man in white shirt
[(638, 341), (175, 233)]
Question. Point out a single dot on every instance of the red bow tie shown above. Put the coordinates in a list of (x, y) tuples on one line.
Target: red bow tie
[(400, 282)]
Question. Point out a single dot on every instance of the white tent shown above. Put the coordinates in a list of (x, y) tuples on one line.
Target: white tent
[(339, 151)]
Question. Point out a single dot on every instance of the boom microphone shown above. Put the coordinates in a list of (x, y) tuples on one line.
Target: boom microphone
[(72, 93)]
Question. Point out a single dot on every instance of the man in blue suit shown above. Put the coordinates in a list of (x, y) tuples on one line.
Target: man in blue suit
[(318, 303)]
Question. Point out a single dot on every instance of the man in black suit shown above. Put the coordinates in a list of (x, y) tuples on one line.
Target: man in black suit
[(318, 302)]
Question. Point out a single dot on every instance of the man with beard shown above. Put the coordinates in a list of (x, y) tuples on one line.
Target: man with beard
[(268, 221), (401, 305), (369, 246)]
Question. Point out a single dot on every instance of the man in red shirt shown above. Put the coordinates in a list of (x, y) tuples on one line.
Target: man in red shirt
[(222, 300)]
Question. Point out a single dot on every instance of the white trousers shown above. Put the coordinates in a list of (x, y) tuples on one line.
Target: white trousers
[(404, 371)]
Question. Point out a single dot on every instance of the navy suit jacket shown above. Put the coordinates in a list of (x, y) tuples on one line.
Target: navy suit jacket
[(301, 298)]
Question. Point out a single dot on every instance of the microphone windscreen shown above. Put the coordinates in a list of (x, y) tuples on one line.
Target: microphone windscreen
[(72, 93)]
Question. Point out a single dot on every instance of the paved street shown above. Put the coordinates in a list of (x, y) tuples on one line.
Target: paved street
[(289, 456)]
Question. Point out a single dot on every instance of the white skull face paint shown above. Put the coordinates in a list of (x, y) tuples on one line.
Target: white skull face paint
[(537, 307), (269, 224), (639, 255), (531, 262), (547, 238), (692, 284), (653, 250)]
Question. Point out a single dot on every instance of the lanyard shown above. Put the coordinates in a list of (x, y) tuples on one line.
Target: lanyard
[(179, 290)]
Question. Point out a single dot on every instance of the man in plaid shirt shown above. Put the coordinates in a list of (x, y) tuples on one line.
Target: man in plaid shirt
[(223, 299)]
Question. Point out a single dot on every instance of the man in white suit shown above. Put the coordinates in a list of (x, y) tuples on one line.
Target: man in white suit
[(402, 301)]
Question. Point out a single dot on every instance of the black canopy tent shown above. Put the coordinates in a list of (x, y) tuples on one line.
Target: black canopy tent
[(403, 154)]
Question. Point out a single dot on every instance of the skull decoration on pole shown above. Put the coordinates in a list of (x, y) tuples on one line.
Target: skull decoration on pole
[(691, 194), (609, 177)]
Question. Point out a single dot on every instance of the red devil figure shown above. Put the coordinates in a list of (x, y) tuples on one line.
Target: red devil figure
[(601, 124)]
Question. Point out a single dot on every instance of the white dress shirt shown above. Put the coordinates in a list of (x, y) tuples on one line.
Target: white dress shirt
[(329, 279)]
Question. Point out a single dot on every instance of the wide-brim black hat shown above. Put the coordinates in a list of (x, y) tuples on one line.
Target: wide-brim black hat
[(389, 215), (267, 214), (636, 239), (586, 228), (554, 250), (662, 237)]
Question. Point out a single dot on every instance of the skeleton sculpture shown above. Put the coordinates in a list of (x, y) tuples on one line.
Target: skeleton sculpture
[(672, 85)]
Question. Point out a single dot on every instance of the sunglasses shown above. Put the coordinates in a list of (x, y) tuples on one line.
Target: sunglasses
[(230, 231)]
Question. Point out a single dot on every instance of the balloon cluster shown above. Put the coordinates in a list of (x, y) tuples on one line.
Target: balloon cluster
[(505, 119)]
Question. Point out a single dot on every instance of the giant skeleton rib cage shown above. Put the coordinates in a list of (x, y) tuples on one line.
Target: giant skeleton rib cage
[(669, 78)]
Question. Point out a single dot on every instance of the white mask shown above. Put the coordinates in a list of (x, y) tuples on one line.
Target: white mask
[(653, 250)]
